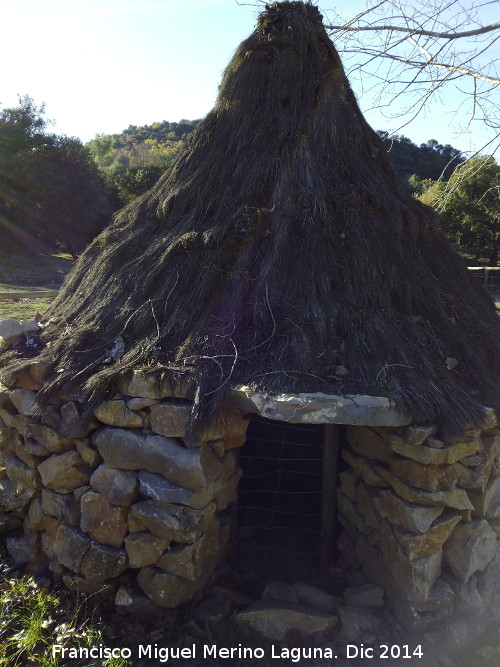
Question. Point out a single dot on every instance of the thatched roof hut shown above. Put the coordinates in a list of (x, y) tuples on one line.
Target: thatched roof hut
[(280, 251)]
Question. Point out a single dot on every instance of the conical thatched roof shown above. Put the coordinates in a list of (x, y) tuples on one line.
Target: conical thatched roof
[(280, 251)]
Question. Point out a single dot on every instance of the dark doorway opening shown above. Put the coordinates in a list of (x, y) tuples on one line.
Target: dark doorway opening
[(280, 500)]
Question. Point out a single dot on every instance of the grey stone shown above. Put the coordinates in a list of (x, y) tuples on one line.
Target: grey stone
[(415, 518), (137, 404), (157, 384), (70, 545), (119, 486), (425, 476), (487, 504), (366, 595), (32, 376), (404, 578), (49, 438), (191, 468), (17, 421), (61, 506), (315, 597), (162, 491), (9, 522), (86, 587), (456, 498), (101, 562), (190, 560), (280, 591), (116, 413), (168, 590), (10, 498), (64, 472), (104, 522), (35, 514), (357, 622), (25, 477), (72, 425), (431, 455), (470, 548), (418, 546), (135, 603), (367, 506), (24, 549), (416, 434), (173, 522), (363, 468), (170, 419), (24, 400), (89, 455), (274, 620), (13, 330), (369, 443), (348, 484), (144, 548), (321, 408)]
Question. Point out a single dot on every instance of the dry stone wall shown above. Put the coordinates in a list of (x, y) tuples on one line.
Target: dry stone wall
[(422, 516), (121, 495)]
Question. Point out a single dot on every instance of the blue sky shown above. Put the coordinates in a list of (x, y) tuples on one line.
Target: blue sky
[(102, 65)]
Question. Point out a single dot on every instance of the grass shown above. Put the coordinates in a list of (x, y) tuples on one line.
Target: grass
[(29, 627), (24, 309)]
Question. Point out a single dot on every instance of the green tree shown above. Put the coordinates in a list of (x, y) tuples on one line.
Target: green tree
[(52, 196), (469, 204)]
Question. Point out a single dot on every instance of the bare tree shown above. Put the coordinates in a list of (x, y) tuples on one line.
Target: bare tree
[(405, 54)]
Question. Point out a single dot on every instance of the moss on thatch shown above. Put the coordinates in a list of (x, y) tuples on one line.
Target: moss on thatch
[(280, 251)]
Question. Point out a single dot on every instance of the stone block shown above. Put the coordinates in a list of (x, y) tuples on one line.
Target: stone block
[(168, 590), (315, 597), (86, 587), (275, 620), (70, 545), (431, 455), (9, 522), (348, 484), (16, 421), (89, 455), (64, 472), (10, 498), (143, 548), (10, 332), (72, 425), (191, 468), (35, 514), (281, 592), (367, 501), (366, 595), (428, 477), (487, 503), (411, 580), (170, 419), (32, 376), (164, 492), (456, 498), (116, 413), (137, 404), (50, 439), (418, 546), (415, 518), (24, 549), (119, 486), (22, 475), (163, 383), (357, 622), (348, 509), (416, 434), (24, 401), (189, 560), (368, 442), (102, 562), (470, 548), (226, 490), (363, 468), (178, 523), (104, 522), (5, 402), (61, 506)]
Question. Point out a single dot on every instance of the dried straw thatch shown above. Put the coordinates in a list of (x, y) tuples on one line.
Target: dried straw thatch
[(280, 251)]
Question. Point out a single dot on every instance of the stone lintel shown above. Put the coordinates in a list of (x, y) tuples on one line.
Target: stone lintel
[(319, 408)]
